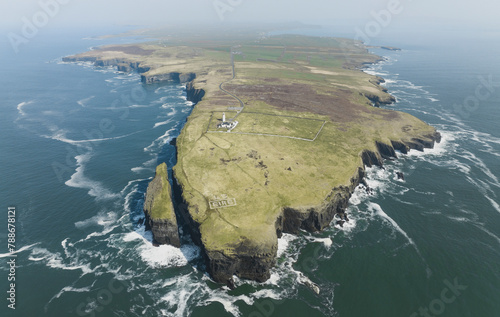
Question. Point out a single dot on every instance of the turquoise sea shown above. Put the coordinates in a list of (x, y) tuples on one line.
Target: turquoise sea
[(79, 145)]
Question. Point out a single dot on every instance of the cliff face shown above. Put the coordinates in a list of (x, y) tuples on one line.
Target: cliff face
[(159, 211), (245, 263), (174, 76), (388, 151), (318, 218), (193, 94), (248, 260), (121, 64)]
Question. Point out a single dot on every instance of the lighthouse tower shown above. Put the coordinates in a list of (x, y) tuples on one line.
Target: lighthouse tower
[(223, 117)]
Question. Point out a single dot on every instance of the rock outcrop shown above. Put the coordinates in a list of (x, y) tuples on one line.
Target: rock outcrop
[(388, 151), (318, 218), (121, 64), (159, 210), (164, 77), (193, 94)]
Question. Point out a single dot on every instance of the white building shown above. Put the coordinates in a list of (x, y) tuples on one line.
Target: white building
[(229, 125)]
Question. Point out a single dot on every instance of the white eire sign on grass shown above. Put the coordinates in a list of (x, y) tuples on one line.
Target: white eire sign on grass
[(221, 202)]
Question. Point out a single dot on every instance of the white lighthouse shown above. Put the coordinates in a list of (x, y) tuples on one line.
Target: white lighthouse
[(229, 125)]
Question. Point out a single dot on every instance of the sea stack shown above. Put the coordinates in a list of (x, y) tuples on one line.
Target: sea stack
[(159, 210)]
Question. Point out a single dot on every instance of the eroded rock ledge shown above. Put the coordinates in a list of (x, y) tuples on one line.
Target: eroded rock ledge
[(317, 219)]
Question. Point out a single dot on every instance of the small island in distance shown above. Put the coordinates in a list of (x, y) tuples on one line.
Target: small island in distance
[(279, 137)]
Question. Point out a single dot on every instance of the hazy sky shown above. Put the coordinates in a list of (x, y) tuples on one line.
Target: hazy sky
[(350, 14)]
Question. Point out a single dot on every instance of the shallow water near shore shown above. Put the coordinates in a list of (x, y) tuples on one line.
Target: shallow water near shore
[(80, 145)]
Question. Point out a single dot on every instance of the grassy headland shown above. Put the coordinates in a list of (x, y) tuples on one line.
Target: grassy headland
[(307, 120)]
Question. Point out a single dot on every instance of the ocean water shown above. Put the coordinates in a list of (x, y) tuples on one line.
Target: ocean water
[(80, 144)]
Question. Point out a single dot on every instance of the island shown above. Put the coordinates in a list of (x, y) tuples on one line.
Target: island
[(279, 137)]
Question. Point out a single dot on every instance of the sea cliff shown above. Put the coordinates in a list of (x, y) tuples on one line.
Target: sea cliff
[(159, 211), (307, 129)]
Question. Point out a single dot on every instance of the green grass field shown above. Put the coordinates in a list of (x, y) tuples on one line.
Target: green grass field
[(162, 205), (271, 124)]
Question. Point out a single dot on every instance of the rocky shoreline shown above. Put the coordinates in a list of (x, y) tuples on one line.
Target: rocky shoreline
[(256, 266), (246, 258)]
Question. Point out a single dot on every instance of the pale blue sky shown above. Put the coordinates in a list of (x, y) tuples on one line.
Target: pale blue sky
[(356, 13)]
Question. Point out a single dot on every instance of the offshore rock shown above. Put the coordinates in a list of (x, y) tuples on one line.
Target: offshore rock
[(159, 210)]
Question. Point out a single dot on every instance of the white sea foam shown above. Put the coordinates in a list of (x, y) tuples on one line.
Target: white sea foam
[(164, 89), (389, 81), (327, 242), (79, 180), (481, 165), (132, 183), (146, 166), (179, 299), (359, 195), (22, 249), (459, 219), (439, 149), (56, 261), (347, 226), (140, 169), (132, 236), (377, 210), (493, 203), (20, 107), (83, 102), (491, 234), (284, 242), (375, 73), (71, 289), (162, 256), (158, 124), (60, 135), (102, 219), (51, 113), (114, 107), (162, 101), (107, 220), (160, 141), (64, 244)]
